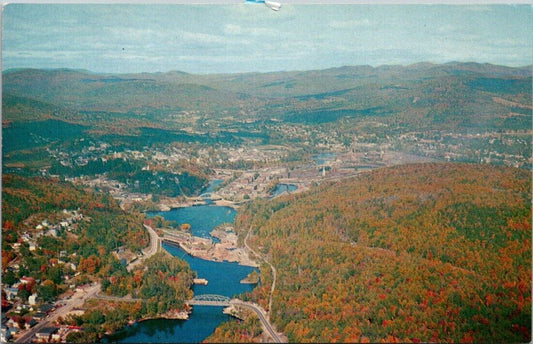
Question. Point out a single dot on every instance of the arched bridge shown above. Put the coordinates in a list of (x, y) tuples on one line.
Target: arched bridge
[(219, 300), (209, 300)]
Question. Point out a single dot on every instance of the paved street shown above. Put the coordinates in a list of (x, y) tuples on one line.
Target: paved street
[(261, 315), (150, 251), (77, 300)]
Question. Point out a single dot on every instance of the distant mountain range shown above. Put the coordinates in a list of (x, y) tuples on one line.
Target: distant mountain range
[(445, 95)]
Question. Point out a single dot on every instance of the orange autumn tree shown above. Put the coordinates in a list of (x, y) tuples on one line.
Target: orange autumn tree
[(423, 252)]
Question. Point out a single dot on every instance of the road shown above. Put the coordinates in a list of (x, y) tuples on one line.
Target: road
[(150, 251), (126, 298), (77, 300), (261, 315), (274, 273), (264, 317), (154, 242)]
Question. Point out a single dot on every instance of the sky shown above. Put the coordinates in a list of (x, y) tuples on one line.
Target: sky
[(231, 38)]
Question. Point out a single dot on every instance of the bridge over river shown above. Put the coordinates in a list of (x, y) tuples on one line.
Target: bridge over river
[(213, 300), (209, 300), (219, 300)]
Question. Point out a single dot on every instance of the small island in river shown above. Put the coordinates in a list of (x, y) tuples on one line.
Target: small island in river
[(226, 250)]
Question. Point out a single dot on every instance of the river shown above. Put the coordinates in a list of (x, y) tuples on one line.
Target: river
[(281, 188), (223, 279)]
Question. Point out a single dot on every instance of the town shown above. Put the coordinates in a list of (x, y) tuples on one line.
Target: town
[(38, 306), (265, 168), (80, 184)]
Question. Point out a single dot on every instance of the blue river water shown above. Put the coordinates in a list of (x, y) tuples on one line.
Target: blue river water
[(223, 279), (202, 218), (281, 188), (212, 185), (202, 322)]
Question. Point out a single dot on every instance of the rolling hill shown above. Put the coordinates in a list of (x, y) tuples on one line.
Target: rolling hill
[(451, 95), (413, 253)]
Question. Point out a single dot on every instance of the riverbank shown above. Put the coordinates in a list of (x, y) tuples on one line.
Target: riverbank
[(167, 204), (111, 337), (223, 277), (227, 250), (170, 315), (252, 278)]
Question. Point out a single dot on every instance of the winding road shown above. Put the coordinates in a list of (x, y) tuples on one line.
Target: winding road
[(150, 251), (262, 317), (271, 267)]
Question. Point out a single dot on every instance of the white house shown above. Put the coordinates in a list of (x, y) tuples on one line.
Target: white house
[(52, 232), (32, 299)]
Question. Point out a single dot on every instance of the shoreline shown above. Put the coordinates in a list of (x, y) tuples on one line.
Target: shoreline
[(227, 250), (168, 204), (211, 254), (182, 315)]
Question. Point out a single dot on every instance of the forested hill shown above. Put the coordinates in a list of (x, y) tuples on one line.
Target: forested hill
[(423, 252), (466, 112), (429, 95), (27, 201)]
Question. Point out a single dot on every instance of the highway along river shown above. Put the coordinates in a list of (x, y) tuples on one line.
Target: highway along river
[(223, 279)]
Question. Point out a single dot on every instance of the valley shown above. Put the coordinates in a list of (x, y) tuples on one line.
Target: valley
[(391, 203)]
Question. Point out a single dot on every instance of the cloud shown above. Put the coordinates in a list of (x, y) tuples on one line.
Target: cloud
[(250, 37), (233, 29), (350, 24), (199, 38)]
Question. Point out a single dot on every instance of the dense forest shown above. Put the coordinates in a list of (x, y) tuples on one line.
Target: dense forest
[(136, 178), (248, 329), (413, 253)]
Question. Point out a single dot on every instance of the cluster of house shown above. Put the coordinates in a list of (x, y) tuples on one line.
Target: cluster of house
[(13, 324), (254, 184), (12, 291), (45, 228), (50, 334), (55, 334), (24, 315)]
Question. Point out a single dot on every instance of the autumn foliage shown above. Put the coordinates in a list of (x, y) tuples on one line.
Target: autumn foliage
[(24, 200), (413, 253)]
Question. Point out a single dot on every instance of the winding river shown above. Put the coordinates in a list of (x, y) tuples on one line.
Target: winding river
[(223, 279)]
